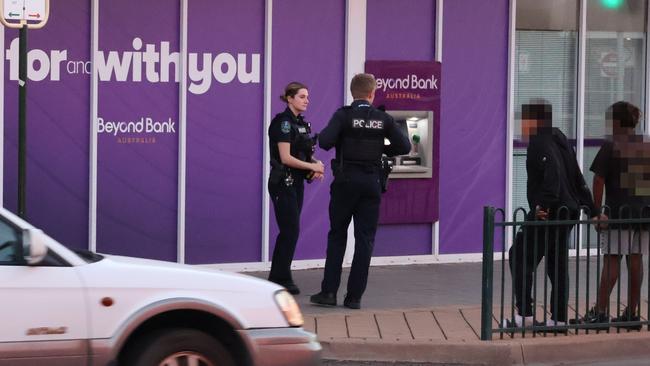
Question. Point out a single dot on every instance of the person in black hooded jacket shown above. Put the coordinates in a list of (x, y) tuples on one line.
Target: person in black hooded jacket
[(556, 190)]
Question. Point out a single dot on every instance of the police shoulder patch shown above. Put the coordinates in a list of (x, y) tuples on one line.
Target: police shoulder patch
[(285, 127)]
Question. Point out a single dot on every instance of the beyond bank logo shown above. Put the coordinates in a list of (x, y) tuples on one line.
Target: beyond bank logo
[(150, 65), (409, 82)]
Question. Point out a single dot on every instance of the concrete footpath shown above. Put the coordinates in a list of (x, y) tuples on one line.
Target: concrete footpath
[(431, 314)]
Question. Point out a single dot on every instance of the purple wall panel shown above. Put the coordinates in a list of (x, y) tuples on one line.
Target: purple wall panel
[(403, 240), (401, 30), (57, 125), (224, 137), (137, 170), (305, 51), (473, 138)]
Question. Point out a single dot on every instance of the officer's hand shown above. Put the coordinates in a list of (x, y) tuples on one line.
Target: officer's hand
[(318, 167), (602, 221), (540, 213)]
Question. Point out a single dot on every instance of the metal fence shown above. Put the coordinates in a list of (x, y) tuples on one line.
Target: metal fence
[(540, 289)]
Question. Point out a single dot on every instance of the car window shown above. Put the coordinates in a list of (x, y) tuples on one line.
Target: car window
[(9, 245)]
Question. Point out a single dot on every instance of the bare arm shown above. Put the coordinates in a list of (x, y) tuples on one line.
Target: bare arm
[(292, 162), (599, 187)]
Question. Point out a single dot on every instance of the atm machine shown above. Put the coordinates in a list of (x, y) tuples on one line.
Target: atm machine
[(418, 126)]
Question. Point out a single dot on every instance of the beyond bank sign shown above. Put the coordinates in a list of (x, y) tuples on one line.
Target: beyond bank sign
[(143, 63), (406, 85)]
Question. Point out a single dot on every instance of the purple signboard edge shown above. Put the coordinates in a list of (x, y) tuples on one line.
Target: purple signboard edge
[(473, 142), (137, 169), (225, 139)]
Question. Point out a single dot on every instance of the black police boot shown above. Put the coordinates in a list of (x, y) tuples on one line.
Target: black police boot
[(323, 298), (351, 302)]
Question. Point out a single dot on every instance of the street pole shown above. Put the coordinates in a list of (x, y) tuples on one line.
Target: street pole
[(23, 15), (22, 118)]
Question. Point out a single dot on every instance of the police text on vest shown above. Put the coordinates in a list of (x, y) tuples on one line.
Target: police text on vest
[(371, 124)]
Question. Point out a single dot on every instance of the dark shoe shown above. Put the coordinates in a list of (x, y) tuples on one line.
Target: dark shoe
[(352, 303), (593, 317), (627, 316), (323, 298), (290, 286)]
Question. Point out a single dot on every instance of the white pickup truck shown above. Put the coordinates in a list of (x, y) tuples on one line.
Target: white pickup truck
[(59, 307)]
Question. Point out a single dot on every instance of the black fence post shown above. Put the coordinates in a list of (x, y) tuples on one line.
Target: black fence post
[(487, 287)]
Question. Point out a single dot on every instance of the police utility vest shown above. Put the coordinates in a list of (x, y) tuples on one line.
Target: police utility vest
[(302, 147), (363, 134), (298, 134)]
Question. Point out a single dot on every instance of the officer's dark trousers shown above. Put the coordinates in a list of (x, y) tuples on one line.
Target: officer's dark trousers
[(354, 194), (287, 204), (525, 256)]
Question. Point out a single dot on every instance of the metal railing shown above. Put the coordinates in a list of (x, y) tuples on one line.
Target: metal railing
[(577, 303)]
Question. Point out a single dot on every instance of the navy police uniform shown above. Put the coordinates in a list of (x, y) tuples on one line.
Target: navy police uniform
[(358, 132), (286, 187)]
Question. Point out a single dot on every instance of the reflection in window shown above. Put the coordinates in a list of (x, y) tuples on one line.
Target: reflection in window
[(8, 245)]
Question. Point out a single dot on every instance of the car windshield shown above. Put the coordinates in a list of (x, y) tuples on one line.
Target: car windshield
[(88, 256)]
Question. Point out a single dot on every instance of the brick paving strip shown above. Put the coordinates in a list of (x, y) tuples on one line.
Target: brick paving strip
[(451, 335)]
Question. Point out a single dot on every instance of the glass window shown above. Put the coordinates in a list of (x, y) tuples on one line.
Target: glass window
[(614, 67), (547, 15), (9, 245)]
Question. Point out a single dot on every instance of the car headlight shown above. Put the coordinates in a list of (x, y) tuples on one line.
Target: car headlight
[(289, 308)]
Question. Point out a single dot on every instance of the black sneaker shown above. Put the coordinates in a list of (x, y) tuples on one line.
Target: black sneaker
[(323, 298), (351, 302), (627, 316), (594, 317)]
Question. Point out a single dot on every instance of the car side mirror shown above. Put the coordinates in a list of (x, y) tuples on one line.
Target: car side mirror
[(34, 248)]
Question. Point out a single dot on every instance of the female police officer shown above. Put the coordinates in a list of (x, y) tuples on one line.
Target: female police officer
[(291, 163)]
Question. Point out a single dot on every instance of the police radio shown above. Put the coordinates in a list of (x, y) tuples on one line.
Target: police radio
[(386, 169)]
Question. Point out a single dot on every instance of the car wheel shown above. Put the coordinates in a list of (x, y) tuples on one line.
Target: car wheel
[(178, 347)]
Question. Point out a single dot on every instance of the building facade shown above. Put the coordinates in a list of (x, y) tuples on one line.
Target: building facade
[(147, 120)]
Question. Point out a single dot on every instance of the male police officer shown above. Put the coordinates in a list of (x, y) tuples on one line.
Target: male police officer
[(358, 132)]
